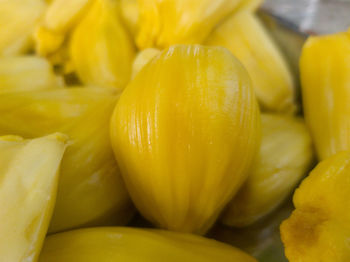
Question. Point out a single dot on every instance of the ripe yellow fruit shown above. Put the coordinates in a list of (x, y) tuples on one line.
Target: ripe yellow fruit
[(130, 14), (91, 190), (26, 73), (246, 38), (325, 78), (285, 156), (29, 178), (184, 132), (63, 15), (18, 19), (135, 245), (167, 22), (101, 49), (142, 59), (318, 229)]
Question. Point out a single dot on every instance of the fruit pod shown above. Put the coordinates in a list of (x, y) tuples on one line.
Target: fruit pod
[(184, 132), (91, 190), (326, 92), (142, 59), (18, 19), (28, 186), (134, 245), (26, 73), (168, 22), (318, 228), (246, 38), (285, 156), (101, 49)]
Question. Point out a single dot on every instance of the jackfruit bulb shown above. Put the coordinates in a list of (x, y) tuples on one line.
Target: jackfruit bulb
[(244, 35), (166, 22), (29, 171), (184, 132), (318, 228), (325, 79), (101, 49), (91, 191), (142, 59), (26, 73), (285, 156), (134, 245), (18, 18)]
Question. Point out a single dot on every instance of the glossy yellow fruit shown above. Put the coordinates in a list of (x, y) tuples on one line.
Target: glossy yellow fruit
[(91, 191), (135, 245), (325, 78), (166, 22), (184, 132), (142, 59), (244, 35), (18, 19), (318, 229), (26, 73), (101, 49), (29, 177), (249, 5), (285, 156)]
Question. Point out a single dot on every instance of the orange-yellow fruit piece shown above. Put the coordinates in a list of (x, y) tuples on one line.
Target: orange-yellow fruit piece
[(318, 229), (244, 35), (184, 132), (325, 79)]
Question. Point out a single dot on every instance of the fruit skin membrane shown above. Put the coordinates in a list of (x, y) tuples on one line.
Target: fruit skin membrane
[(184, 133), (318, 228)]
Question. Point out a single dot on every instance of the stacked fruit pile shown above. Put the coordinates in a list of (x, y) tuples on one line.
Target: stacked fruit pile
[(182, 110)]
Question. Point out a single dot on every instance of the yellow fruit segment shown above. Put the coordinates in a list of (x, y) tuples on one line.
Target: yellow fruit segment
[(246, 38), (318, 229), (46, 41), (29, 177), (134, 245), (285, 156), (62, 15), (91, 191), (26, 73), (325, 78), (184, 132), (101, 49), (130, 14), (18, 19), (166, 22), (142, 59)]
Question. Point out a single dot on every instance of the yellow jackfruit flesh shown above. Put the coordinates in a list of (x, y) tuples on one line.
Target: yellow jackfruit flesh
[(26, 73), (62, 15), (101, 49), (91, 191), (285, 156), (325, 78), (134, 245), (244, 35), (130, 14), (18, 19), (166, 22), (142, 59), (29, 176), (184, 132), (318, 229), (46, 41)]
